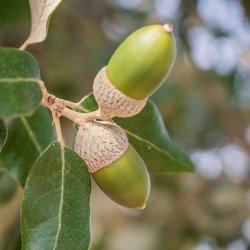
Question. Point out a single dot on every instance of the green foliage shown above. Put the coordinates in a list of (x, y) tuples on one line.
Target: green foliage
[(55, 208), (3, 133), (8, 16), (20, 93), (8, 187), (147, 133), (28, 136)]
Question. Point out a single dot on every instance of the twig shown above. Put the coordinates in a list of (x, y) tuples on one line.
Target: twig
[(73, 105), (58, 109), (57, 124)]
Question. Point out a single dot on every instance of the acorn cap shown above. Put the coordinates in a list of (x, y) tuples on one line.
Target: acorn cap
[(100, 144), (111, 101), (114, 164)]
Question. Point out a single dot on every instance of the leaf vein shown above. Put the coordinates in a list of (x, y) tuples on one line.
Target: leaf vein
[(155, 147), (18, 79), (62, 197), (33, 206), (31, 134)]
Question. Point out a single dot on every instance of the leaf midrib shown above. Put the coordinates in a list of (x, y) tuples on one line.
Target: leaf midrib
[(155, 147), (19, 79), (31, 134), (33, 30), (35, 27), (61, 198)]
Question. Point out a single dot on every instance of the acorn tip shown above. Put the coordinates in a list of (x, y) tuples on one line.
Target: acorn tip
[(142, 208), (168, 27)]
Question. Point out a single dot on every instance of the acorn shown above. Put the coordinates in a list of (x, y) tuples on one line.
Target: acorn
[(114, 164), (136, 69)]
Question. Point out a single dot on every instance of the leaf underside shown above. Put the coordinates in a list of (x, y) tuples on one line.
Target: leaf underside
[(41, 11), (147, 133), (55, 211), (20, 92)]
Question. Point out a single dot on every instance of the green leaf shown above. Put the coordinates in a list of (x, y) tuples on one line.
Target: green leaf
[(27, 137), (147, 133), (3, 133), (13, 12), (8, 186), (55, 211), (20, 92)]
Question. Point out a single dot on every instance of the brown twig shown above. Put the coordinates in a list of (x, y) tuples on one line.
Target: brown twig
[(59, 108)]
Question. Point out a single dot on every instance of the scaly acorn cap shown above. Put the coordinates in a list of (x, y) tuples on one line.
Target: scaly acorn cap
[(135, 71), (111, 101), (114, 164), (143, 60), (100, 144)]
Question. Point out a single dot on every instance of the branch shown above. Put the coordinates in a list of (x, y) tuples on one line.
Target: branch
[(59, 108)]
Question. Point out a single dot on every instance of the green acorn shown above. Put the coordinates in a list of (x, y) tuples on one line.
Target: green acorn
[(114, 164), (136, 69)]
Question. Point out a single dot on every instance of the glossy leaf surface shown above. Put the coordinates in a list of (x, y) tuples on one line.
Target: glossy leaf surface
[(20, 92), (147, 133), (55, 209), (27, 137)]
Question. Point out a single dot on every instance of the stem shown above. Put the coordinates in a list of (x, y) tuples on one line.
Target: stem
[(58, 108), (73, 105), (80, 118), (56, 121), (24, 46), (168, 27)]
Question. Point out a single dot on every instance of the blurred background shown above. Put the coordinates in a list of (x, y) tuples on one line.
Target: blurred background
[(205, 104)]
